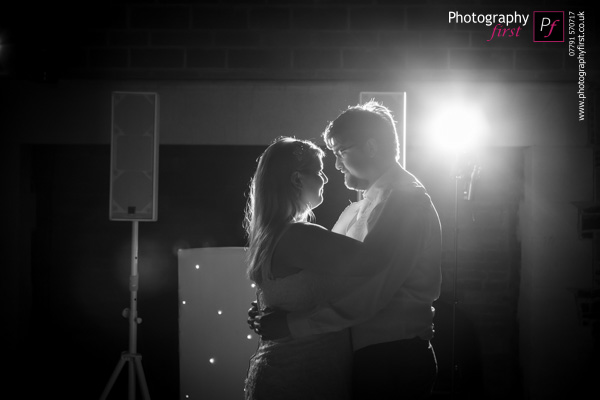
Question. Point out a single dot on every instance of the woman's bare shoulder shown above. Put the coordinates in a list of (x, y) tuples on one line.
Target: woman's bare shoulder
[(314, 235), (307, 227), (293, 246)]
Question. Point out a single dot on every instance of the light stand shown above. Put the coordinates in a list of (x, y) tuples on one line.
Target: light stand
[(468, 173), (131, 356), (454, 371)]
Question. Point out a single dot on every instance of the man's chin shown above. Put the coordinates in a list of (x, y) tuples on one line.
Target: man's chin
[(355, 183)]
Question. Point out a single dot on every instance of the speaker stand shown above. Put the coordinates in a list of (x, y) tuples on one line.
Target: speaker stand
[(131, 356)]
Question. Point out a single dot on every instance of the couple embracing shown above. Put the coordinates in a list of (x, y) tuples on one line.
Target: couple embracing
[(347, 313)]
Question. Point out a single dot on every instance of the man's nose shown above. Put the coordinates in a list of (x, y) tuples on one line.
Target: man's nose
[(339, 165)]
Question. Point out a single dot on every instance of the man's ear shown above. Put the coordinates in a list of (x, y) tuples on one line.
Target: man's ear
[(296, 179), (372, 147)]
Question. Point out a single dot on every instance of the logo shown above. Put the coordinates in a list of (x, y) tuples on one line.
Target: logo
[(548, 26)]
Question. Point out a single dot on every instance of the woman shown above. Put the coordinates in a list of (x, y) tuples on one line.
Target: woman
[(297, 265)]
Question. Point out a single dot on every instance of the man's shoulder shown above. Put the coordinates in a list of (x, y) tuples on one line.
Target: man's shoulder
[(404, 183), (407, 191)]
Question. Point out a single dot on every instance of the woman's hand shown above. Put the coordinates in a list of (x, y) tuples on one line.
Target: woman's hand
[(270, 324), (253, 312)]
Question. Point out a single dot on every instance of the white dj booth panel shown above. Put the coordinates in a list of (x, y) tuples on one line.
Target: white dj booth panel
[(215, 342)]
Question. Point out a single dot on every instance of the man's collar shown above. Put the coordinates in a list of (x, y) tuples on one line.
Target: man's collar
[(384, 181)]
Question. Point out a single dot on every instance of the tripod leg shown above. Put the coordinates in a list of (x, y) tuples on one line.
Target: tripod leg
[(131, 379), (113, 378), (143, 384)]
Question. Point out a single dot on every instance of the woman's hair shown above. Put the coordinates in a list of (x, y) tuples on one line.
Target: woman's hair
[(274, 202), (363, 121)]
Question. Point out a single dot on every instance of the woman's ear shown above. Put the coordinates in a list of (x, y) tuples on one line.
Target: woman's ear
[(296, 179)]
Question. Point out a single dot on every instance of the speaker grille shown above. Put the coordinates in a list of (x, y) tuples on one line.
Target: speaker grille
[(134, 156)]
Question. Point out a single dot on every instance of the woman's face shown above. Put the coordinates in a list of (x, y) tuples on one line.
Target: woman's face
[(313, 183)]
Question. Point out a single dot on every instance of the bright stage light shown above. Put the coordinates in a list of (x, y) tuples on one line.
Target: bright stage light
[(458, 127)]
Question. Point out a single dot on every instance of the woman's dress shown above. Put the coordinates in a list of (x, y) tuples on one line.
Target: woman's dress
[(309, 368)]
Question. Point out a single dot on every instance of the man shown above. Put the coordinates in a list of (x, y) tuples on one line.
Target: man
[(391, 315)]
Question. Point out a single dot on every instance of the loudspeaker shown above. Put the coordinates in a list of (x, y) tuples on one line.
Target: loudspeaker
[(134, 156)]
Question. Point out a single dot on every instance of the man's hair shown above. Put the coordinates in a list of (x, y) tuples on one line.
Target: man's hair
[(362, 122)]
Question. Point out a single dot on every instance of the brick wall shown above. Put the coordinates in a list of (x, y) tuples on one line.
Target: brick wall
[(287, 39)]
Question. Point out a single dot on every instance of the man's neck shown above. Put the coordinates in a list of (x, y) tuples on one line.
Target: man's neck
[(378, 173)]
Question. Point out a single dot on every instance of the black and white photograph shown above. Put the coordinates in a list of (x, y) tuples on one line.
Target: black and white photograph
[(300, 199)]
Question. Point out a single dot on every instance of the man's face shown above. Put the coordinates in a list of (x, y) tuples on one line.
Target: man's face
[(353, 161)]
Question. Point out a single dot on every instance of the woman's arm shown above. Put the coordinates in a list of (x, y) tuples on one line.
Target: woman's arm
[(306, 246), (311, 247)]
